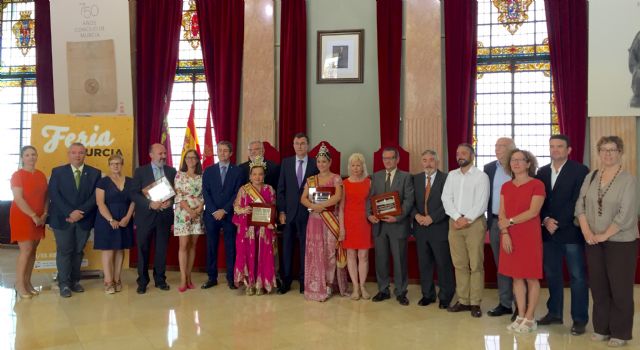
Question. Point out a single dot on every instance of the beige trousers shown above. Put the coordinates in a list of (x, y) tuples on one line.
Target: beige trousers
[(467, 254)]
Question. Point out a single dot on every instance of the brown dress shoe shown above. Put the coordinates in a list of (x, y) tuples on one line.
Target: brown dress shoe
[(457, 307), (475, 311)]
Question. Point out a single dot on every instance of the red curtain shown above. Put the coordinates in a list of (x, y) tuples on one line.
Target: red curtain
[(389, 18), (460, 18), (44, 65), (568, 38), (293, 74), (222, 38), (157, 35)]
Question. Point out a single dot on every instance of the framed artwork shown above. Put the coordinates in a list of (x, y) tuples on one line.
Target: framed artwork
[(340, 56)]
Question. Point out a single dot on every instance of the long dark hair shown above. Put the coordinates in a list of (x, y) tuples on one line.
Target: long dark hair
[(183, 166)]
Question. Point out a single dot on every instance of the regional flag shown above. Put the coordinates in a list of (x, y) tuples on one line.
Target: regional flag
[(207, 157)]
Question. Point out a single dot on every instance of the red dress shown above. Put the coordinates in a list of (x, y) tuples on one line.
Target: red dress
[(356, 226), (525, 260), (34, 192)]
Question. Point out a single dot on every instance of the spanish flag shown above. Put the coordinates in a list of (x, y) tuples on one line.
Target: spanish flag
[(207, 157), (190, 136)]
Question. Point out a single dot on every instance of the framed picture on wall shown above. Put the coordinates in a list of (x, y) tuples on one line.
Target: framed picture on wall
[(340, 56)]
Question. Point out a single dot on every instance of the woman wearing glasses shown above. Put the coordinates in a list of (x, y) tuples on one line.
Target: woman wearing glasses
[(607, 210)]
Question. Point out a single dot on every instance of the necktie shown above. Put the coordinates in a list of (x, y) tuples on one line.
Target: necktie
[(427, 190), (223, 173), (157, 173), (76, 177), (387, 183), (299, 173)]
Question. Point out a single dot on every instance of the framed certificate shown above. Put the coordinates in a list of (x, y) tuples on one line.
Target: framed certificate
[(159, 191), (386, 204), (321, 194), (262, 214)]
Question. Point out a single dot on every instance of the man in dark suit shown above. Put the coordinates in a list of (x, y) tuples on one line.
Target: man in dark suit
[(293, 173), (72, 211), (390, 232), (498, 176), (431, 229), (256, 148), (153, 219), (220, 184), (562, 181)]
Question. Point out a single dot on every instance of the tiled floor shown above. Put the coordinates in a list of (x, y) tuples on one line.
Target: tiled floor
[(219, 318)]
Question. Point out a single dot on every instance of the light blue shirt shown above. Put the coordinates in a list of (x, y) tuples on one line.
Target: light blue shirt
[(221, 164), (305, 161), (500, 178), (159, 170)]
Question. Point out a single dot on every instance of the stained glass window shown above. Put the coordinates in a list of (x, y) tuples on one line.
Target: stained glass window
[(514, 94), (18, 99), (189, 85)]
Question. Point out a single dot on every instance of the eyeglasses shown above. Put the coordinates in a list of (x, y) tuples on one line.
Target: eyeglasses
[(191, 158), (609, 150), (115, 163), (518, 160), (388, 158)]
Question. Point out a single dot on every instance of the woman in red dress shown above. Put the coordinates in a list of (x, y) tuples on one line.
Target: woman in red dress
[(27, 217), (355, 228), (521, 238)]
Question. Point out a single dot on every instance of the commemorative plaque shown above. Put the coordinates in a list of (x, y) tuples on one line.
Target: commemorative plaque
[(386, 204), (262, 214), (159, 191)]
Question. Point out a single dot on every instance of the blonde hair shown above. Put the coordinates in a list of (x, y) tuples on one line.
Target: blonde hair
[(357, 157)]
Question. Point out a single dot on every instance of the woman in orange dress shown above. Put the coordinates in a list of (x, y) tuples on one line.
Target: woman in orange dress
[(27, 217), (355, 228)]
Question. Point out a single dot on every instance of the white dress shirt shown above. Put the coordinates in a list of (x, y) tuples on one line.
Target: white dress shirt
[(466, 194), (554, 174)]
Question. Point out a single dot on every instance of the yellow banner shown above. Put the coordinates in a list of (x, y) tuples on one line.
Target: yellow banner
[(51, 135)]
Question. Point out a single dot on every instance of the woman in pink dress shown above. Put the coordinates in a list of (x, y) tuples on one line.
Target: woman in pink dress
[(324, 257), (355, 227), (255, 263), (521, 236)]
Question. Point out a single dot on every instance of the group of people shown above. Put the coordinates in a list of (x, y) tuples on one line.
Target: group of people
[(535, 218)]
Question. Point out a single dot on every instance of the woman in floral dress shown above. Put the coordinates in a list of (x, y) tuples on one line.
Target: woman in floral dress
[(187, 223)]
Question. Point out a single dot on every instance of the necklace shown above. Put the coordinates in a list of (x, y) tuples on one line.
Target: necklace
[(602, 193)]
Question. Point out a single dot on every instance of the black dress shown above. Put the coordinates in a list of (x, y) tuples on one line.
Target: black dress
[(106, 238)]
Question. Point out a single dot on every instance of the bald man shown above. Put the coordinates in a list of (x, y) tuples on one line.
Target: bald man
[(153, 219), (498, 175)]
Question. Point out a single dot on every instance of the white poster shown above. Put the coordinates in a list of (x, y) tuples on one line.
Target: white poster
[(614, 58), (91, 57)]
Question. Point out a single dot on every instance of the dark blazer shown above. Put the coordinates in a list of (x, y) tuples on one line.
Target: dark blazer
[(490, 169), (65, 197), (439, 229), (288, 193), (145, 218), (403, 184), (271, 175), (217, 196), (560, 202)]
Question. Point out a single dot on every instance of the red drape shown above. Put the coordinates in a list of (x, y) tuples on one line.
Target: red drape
[(389, 19), (157, 35), (567, 23), (44, 64), (460, 17), (222, 38), (293, 74)]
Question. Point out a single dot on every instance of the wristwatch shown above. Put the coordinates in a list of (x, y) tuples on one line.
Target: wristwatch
[(511, 222)]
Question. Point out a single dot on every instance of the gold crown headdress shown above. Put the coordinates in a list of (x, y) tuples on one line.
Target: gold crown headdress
[(323, 152), (258, 161)]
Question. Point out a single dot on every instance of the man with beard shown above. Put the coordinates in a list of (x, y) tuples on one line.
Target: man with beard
[(465, 197), (256, 148), (153, 219), (431, 228)]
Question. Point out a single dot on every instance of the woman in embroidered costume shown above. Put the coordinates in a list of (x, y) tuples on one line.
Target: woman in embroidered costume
[(324, 257), (255, 264)]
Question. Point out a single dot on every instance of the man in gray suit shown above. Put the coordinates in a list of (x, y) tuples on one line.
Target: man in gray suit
[(431, 229), (390, 232)]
